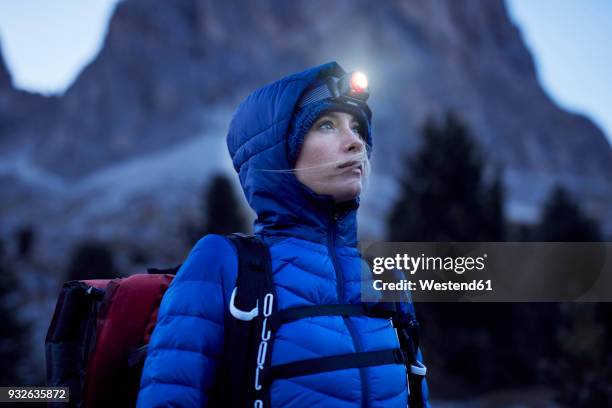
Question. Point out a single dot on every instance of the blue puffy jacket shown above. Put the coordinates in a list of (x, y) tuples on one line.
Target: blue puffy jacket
[(315, 261)]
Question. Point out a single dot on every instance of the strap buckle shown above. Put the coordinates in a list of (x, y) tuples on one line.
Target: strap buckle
[(241, 314), (420, 369)]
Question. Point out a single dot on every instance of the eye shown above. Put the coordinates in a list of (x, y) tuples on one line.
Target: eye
[(326, 124), (356, 128)]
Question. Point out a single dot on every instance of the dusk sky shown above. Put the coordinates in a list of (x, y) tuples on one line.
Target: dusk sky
[(45, 45)]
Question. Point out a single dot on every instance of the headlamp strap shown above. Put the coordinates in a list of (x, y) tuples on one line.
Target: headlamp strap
[(317, 94)]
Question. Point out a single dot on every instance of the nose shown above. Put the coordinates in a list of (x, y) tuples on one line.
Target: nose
[(354, 142)]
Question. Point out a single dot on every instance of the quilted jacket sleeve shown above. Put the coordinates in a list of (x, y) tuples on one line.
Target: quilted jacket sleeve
[(187, 341)]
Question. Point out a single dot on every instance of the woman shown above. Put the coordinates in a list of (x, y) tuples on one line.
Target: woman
[(301, 154)]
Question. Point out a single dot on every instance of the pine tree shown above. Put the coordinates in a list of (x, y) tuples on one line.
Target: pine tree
[(91, 260), (495, 227), (443, 195), (582, 369), (11, 330), (25, 241), (219, 210), (564, 221)]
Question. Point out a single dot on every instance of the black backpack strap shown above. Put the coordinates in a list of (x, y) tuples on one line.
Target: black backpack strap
[(254, 270), (162, 271), (301, 312), (337, 362), (247, 340), (407, 328)]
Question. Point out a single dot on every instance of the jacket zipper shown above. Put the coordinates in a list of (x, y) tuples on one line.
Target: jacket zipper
[(331, 246)]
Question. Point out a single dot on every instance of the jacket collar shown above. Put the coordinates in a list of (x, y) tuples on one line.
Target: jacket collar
[(299, 212)]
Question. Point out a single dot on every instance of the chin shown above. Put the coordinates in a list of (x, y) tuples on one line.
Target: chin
[(349, 192)]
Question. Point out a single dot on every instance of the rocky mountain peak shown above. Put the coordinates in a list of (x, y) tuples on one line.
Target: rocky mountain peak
[(5, 75)]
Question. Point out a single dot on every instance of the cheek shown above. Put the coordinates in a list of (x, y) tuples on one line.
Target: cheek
[(316, 151)]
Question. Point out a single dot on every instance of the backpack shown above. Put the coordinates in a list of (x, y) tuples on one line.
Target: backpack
[(97, 340), (92, 344)]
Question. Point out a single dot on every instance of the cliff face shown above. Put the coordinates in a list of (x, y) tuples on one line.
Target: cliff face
[(162, 65), (5, 90), (5, 76), (18, 110), (170, 73)]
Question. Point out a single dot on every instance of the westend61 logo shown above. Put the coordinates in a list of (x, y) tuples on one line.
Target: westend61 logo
[(412, 264), (487, 271)]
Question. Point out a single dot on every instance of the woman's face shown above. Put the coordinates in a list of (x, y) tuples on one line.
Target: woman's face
[(332, 155)]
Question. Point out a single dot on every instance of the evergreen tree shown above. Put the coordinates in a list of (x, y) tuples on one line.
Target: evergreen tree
[(443, 195), (443, 198), (11, 330), (495, 227), (582, 371), (91, 260), (25, 241), (564, 221), (219, 209)]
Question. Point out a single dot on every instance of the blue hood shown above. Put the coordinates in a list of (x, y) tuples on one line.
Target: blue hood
[(257, 143)]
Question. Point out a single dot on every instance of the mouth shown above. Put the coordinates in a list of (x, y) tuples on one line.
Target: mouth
[(352, 165), (349, 164)]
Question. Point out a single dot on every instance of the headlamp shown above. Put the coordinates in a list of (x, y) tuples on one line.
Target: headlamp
[(351, 89)]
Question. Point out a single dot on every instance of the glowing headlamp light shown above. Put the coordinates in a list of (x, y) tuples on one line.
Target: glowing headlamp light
[(351, 89), (354, 85)]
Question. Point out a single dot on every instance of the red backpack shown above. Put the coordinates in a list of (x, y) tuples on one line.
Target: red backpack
[(96, 343)]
